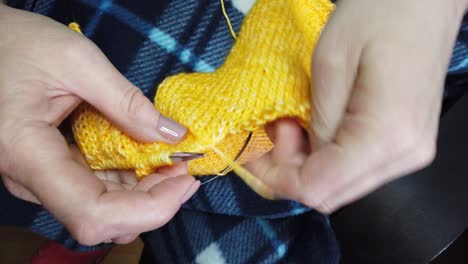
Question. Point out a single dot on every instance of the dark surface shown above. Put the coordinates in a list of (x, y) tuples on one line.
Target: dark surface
[(457, 253), (414, 219)]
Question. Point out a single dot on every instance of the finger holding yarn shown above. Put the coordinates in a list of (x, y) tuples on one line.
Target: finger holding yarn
[(266, 76)]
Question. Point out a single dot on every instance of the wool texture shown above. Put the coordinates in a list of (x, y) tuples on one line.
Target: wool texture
[(265, 77)]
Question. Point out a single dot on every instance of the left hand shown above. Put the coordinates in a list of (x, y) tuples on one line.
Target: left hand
[(46, 70), (379, 70)]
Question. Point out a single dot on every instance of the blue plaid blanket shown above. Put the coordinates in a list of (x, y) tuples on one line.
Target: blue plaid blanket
[(225, 221)]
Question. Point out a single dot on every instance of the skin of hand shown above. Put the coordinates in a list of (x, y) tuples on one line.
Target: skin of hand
[(46, 70), (379, 69)]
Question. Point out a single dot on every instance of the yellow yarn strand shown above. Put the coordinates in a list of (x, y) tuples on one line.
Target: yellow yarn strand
[(257, 185), (228, 21), (75, 27), (265, 76)]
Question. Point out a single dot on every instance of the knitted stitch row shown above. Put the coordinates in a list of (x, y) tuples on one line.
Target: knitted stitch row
[(266, 76)]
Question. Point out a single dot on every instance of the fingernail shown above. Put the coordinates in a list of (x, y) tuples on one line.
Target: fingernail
[(191, 191), (170, 129)]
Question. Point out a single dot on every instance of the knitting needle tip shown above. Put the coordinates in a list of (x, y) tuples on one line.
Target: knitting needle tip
[(185, 156)]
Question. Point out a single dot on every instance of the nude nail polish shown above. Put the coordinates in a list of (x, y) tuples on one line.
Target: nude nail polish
[(170, 129)]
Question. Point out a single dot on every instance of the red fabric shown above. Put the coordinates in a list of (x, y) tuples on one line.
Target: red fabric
[(54, 253)]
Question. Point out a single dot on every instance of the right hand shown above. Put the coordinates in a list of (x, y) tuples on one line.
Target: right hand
[(46, 70), (376, 104)]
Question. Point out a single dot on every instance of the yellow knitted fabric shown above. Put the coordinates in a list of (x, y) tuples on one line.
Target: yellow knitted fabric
[(266, 76)]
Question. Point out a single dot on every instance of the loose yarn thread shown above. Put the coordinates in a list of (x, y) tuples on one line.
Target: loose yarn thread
[(266, 76), (228, 21)]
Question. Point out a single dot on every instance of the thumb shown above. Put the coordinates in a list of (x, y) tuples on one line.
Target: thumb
[(99, 83), (334, 66)]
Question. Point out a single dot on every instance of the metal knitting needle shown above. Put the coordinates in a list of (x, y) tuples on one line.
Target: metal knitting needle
[(185, 156)]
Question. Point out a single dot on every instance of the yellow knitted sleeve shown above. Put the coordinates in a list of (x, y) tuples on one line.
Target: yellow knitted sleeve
[(266, 76)]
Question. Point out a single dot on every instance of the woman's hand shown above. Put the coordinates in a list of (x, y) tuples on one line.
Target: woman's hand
[(379, 70), (46, 70)]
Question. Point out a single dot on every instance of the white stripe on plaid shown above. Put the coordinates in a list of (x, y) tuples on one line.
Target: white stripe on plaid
[(243, 5), (211, 255)]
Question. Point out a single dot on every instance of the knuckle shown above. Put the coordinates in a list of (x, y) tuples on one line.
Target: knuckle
[(311, 200), (325, 209), (402, 140), (126, 239), (161, 217), (132, 101), (78, 48), (86, 231), (319, 205), (424, 155), (407, 140)]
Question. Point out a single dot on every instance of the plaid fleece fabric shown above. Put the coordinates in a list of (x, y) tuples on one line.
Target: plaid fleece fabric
[(225, 222)]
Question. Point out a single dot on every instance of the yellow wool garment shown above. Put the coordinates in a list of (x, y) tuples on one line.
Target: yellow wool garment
[(266, 76)]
